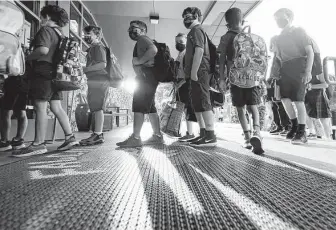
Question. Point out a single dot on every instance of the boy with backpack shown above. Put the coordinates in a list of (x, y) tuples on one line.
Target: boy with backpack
[(197, 68), (98, 83), (244, 81), (296, 53), (45, 46), (144, 96)]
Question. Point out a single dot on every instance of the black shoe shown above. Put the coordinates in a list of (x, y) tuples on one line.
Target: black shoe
[(186, 137), (93, 139), (68, 144), (205, 142), (17, 144), (5, 146), (291, 134), (299, 138), (256, 142), (195, 139), (276, 131), (130, 142)]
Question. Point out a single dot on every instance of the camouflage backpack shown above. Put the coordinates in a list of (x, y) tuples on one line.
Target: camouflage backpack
[(249, 60)]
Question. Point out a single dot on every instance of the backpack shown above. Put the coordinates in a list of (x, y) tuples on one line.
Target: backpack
[(113, 69), (69, 69), (164, 64), (250, 59), (11, 54)]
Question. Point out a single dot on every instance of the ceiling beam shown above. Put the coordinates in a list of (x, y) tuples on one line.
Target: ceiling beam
[(211, 14)]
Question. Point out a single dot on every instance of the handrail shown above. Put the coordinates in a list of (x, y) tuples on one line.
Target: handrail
[(326, 71)]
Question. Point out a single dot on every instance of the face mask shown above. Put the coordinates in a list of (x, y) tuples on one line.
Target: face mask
[(88, 40), (133, 35), (187, 24), (282, 22), (180, 47)]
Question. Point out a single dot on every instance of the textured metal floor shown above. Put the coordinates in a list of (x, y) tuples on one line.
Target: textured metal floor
[(163, 187)]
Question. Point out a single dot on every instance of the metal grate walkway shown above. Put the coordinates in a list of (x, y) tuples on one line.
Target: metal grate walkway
[(171, 186)]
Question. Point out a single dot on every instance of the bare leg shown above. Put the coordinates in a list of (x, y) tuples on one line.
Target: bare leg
[(62, 117), (155, 122), (40, 107), (22, 124), (208, 118), (326, 127), (99, 122), (137, 125), (6, 122)]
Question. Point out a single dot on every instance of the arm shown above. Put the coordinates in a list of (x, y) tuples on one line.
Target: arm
[(149, 55), (222, 66), (322, 85), (310, 58), (38, 53), (196, 62)]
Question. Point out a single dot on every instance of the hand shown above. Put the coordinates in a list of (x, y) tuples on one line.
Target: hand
[(307, 77), (309, 86), (135, 61), (194, 77)]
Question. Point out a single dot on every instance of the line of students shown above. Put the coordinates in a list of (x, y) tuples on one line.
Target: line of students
[(37, 84)]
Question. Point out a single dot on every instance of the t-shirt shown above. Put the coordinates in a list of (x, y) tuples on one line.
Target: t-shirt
[(180, 65), (47, 37), (96, 54), (141, 47), (225, 47), (291, 42), (196, 38)]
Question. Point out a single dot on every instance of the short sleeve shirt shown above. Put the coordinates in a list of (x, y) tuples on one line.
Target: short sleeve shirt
[(291, 43), (141, 47), (196, 38), (96, 54), (47, 37), (180, 65)]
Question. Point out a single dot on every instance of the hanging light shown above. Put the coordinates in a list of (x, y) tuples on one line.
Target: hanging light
[(154, 19)]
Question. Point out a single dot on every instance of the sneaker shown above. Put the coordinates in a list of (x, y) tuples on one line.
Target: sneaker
[(154, 140), (299, 138), (194, 139), (186, 137), (247, 144), (276, 131), (284, 133), (130, 142), (68, 144), (205, 142), (256, 142), (31, 150), (18, 144), (93, 139), (312, 136), (5, 146), (291, 134)]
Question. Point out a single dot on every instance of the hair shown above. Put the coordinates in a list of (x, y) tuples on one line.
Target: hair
[(141, 24), (181, 35), (285, 11), (233, 17), (95, 29), (56, 14), (192, 10)]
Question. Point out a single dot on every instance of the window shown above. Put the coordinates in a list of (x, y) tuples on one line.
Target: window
[(88, 17), (78, 5), (52, 3), (34, 6), (75, 20)]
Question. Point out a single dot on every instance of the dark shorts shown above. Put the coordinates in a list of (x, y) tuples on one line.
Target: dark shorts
[(184, 96), (41, 83), (144, 95), (97, 94), (245, 96), (14, 98), (291, 82), (200, 92)]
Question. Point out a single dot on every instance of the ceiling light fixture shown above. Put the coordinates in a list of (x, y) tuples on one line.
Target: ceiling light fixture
[(154, 19)]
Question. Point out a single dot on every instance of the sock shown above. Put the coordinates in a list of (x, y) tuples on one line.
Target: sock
[(256, 128), (302, 128), (210, 134), (68, 136), (247, 135), (295, 123), (202, 132), (98, 133)]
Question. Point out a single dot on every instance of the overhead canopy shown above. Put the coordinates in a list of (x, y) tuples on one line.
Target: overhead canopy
[(114, 17)]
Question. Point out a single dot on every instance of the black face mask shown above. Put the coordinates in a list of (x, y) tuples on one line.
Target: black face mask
[(282, 22), (88, 40), (133, 35), (180, 47), (187, 24)]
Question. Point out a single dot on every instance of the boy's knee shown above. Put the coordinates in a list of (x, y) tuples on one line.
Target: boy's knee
[(22, 115)]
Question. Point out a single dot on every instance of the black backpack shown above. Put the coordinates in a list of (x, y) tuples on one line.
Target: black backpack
[(164, 64)]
